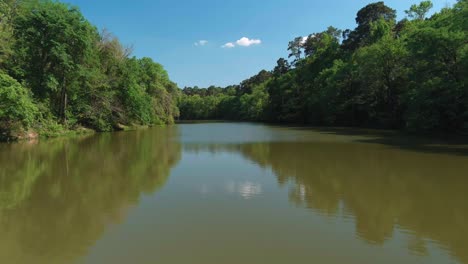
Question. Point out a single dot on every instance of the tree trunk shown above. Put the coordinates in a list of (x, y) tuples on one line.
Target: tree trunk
[(63, 103)]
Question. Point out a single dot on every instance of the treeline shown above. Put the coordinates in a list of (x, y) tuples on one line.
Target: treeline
[(409, 74), (58, 73)]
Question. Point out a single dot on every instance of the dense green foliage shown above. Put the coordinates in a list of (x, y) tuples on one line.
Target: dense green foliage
[(54, 61), (18, 109), (58, 73), (247, 101), (410, 75)]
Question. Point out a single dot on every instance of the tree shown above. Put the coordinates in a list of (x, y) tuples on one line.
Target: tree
[(246, 86), (321, 41), (17, 107), (282, 67), (419, 12), (53, 42), (383, 73), (295, 49), (7, 13), (253, 106), (77, 76), (438, 98), (365, 17), (154, 79)]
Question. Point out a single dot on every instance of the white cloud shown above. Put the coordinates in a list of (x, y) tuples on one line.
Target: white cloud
[(245, 42), (201, 43), (228, 45)]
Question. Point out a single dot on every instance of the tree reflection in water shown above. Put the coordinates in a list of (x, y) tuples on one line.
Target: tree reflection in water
[(382, 188), (57, 197)]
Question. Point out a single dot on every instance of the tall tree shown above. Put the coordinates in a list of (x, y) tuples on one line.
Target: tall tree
[(246, 86), (53, 42), (295, 48), (282, 67), (8, 9), (420, 11), (365, 17)]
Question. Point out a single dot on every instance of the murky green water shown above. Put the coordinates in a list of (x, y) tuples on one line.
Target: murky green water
[(234, 193)]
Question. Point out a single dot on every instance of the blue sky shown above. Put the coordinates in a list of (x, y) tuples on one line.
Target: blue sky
[(167, 30)]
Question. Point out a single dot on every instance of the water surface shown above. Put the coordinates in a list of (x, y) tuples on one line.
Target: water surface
[(234, 193)]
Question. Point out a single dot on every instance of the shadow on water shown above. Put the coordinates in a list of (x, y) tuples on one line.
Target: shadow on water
[(57, 197), (382, 189), (443, 144)]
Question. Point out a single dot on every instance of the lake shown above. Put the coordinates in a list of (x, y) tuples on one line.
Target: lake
[(235, 193)]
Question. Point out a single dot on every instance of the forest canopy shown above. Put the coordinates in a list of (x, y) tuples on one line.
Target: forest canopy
[(58, 73), (409, 74)]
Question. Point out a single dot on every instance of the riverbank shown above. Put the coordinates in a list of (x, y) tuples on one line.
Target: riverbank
[(16, 135), (392, 137), (35, 134)]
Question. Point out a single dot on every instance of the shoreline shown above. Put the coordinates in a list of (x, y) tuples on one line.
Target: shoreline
[(32, 135), (433, 138)]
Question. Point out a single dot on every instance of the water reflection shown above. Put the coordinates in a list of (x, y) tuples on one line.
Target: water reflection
[(246, 190), (58, 197), (383, 188)]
